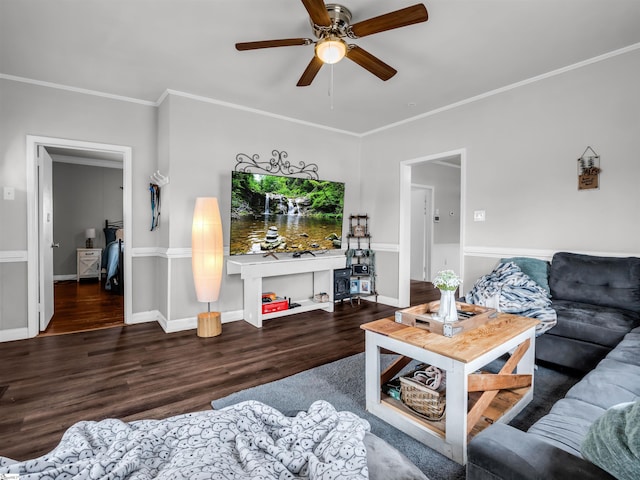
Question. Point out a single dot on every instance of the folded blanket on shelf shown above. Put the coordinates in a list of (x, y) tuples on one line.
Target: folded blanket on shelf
[(509, 290), (245, 440)]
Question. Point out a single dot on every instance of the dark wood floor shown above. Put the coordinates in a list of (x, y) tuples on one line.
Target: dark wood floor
[(132, 372), (83, 306)]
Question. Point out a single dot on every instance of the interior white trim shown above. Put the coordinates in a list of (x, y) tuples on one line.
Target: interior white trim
[(12, 256), (32, 144), (235, 106), (92, 162), (14, 334), (385, 247), (505, 252), (191, 323), (161, 252), (84, 91), (404, 270), (62, 278), (147, 252), (145, 317)]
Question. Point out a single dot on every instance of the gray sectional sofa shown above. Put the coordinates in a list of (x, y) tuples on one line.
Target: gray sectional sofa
[(598, 304), (597, 300)]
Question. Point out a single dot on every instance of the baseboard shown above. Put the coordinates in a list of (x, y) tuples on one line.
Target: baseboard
[(145, 317), (191, 323), (62, 278), (392, 302), (14, 334)]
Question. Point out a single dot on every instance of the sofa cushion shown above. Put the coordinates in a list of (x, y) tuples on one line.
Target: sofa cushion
[(613, 441), (606, 281), (567, 424), (628, 350), (611, 382), (593, 323)]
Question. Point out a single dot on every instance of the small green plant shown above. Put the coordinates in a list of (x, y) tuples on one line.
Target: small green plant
[(446, 280)]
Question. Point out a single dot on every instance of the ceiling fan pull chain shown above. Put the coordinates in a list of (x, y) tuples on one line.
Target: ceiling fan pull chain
[(331, 87)]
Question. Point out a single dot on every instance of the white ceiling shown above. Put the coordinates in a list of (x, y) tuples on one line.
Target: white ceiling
[(140, 48)]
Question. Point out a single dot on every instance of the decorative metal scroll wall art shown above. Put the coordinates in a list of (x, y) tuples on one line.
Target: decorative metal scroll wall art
[(588, 170), (277, 164)]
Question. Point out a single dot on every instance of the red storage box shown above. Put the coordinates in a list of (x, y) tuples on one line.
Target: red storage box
[(275, 306)]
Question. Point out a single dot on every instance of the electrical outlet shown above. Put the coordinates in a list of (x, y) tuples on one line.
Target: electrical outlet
[(478, 216)]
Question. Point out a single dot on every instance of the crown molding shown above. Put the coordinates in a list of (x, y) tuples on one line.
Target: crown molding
[(256, 111), (506, 88), (83, 91), (163, 96)]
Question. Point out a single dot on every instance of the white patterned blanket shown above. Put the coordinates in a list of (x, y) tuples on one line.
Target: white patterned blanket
[(249, 440), (509, 290)]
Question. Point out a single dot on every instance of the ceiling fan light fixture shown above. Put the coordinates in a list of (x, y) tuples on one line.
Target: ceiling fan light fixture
[(331, 49)]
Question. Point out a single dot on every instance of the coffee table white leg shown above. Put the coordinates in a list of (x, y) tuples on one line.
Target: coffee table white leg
[(372, 371), (526, 365), (456, 417)]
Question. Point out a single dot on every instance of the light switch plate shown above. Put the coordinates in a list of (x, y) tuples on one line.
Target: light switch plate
[(9, 193), (478, 216)]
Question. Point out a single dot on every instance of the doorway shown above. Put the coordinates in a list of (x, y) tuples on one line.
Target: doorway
[(421, 232), (446, 251), (39, 286)]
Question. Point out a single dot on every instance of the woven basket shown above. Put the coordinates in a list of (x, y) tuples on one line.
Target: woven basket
[(422, 400)]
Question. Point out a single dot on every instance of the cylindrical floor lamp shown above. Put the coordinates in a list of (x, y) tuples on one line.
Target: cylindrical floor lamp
[(206, 261)]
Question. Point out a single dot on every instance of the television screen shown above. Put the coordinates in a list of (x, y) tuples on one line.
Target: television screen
[(271, 213)]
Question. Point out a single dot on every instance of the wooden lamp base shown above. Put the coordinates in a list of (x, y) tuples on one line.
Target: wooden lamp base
[(209, 324)]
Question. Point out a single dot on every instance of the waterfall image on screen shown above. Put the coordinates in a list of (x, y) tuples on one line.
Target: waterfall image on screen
[(271, 213)]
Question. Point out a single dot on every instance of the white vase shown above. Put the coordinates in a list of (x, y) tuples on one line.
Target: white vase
[(447, 311)]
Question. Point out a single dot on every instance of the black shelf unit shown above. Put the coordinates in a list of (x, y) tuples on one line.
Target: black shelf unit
[(361, 259)]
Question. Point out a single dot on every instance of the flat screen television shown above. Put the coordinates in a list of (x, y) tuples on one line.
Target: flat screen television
[(271, 213)]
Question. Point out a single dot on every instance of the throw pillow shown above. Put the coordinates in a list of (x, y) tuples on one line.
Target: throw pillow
[(534, 268), (613, 441)]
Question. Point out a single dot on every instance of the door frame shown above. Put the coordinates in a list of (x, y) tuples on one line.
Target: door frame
[(404, 234), (33, 142)]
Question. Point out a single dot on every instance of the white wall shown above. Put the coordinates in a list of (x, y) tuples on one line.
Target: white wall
[(522, 146)]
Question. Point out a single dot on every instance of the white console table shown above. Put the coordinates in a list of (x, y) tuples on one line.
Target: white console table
[(253, 269)]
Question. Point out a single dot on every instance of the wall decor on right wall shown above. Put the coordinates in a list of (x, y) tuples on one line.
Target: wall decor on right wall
[(589, 170)]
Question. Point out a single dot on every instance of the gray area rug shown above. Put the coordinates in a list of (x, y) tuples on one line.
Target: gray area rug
[(342, 383)]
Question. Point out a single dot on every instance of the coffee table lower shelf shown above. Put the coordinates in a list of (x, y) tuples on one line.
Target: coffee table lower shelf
[(501, 405)]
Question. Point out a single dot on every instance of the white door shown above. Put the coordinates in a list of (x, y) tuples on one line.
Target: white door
[(420, 233), (46, 243)]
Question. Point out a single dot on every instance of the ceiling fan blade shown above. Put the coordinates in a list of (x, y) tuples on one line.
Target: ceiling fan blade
[(399, 18), (310, 72), (287, 42), (317, 12), (371, 63)]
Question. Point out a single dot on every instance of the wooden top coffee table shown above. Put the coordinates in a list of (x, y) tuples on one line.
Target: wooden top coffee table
[(473, 400)]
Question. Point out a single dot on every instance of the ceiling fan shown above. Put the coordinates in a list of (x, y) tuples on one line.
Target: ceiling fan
[(331, 24)]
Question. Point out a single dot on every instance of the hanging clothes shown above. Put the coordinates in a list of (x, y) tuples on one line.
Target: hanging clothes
[(154, 189)]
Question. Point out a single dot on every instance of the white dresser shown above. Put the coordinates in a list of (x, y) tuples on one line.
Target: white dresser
[(89, 261)]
